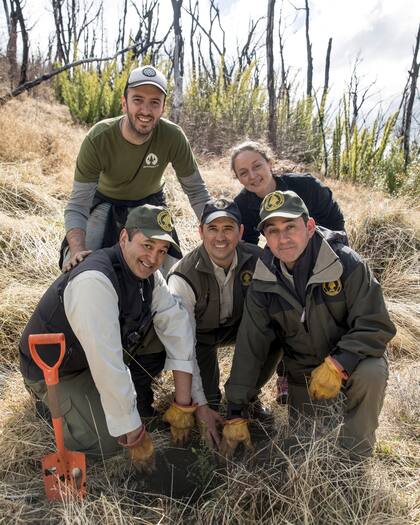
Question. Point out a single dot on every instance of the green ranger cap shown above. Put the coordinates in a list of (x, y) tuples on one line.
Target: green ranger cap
[(154, 221), (281, 204)]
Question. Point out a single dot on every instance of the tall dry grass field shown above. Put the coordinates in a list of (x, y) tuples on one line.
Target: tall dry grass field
[(38, 147)]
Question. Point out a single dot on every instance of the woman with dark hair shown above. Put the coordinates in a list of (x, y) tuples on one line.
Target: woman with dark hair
[(252, 164)]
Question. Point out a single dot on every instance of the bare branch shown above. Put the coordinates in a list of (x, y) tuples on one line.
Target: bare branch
[(47, 76)]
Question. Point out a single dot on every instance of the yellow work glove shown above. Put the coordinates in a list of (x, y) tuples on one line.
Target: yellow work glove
[(181, 420), (235, 431), (325, 382), (141, 452)]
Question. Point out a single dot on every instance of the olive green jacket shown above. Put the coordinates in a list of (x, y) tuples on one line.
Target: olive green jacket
[(343, 315)]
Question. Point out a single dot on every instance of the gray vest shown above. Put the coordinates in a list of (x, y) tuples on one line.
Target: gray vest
[(197, 270)]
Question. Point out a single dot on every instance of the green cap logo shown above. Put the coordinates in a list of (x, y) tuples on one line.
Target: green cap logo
[(281, 204), (273, 201), (164, 219)]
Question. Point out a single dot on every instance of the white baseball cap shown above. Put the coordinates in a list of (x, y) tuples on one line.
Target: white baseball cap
[(147, 75)]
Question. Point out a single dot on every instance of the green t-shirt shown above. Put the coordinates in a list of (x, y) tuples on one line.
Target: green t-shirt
[(126, 171)]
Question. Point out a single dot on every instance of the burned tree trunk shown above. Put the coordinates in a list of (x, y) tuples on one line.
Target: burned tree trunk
[(62, 51), (271, 87), (25, 42), (321, 108), (11, 50), (15, 19), (327, 70), (410, 95), (310, 67), (121, 31), (178, 63), (192, 37)]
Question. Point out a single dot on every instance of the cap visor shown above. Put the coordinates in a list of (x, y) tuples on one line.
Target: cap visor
[(146, 83), (278, 214), (218, 214), (161, 237)]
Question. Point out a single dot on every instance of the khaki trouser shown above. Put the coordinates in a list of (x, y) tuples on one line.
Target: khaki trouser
[(84, 425), (364, 395)]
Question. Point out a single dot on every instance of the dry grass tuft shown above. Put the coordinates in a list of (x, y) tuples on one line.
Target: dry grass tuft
[(315, 485), (390, 244), (36, 131), (401, 416), (17, 196), (17, 302)]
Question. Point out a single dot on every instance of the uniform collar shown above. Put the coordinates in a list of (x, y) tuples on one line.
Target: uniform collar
[(327, 265), (206, 265)]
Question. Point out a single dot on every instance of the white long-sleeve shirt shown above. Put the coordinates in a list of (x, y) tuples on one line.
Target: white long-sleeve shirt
[(180, 289), (91, 307)]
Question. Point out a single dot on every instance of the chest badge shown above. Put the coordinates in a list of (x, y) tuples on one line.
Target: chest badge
[(332, 288), (246, 277)]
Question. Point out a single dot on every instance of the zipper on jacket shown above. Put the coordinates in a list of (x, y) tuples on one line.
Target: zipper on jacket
[(305, 314), (303, 320)]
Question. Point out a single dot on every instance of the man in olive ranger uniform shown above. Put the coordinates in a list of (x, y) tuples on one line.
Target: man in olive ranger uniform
[(212, 281), (104, 307), (321, 300), (121, 164)]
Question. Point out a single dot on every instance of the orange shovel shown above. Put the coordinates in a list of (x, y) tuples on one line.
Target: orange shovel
[(64, 471)]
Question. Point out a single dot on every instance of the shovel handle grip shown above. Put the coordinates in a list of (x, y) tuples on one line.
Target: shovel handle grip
[(50, 372)]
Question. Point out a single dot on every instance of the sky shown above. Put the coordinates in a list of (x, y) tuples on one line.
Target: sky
[(380, 32)]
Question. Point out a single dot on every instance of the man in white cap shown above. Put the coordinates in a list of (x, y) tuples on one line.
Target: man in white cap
[(121, 164)]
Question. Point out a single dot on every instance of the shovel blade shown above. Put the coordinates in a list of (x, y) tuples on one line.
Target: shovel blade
[(64, 475)]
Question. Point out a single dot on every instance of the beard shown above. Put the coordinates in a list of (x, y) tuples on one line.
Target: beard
[(140, 133)]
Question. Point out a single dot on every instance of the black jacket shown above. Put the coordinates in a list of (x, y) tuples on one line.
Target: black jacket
[(317, 197), (134, 303)]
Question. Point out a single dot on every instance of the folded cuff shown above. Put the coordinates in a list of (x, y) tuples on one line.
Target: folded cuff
[(199, 398), (179, 365), (118, 425)]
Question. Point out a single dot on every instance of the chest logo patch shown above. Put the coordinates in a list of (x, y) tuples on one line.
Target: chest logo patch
[(151, 160), (332, 288), (164, 219), (274, 201), (246, 277)]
